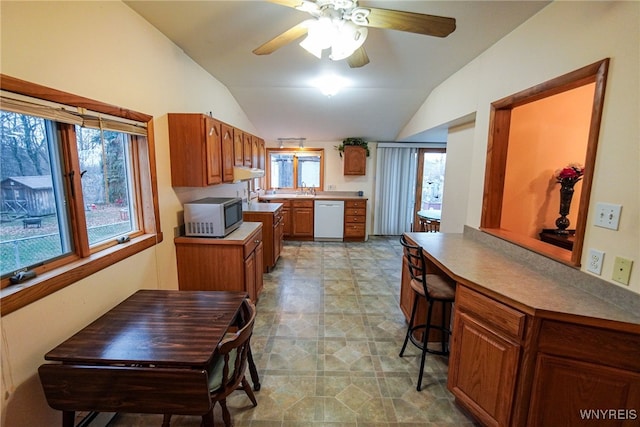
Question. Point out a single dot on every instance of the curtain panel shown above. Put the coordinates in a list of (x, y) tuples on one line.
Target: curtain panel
[(395, 190)]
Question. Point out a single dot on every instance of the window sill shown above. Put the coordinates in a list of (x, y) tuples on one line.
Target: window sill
[(14, 297)]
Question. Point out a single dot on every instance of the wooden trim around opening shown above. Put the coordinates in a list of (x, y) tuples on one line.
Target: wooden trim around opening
[(498, 141)]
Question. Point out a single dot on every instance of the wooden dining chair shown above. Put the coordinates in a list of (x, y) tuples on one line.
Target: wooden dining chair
[(226, 371), (429, 225)]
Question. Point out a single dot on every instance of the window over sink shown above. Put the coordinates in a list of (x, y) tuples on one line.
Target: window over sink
[(295, 169)]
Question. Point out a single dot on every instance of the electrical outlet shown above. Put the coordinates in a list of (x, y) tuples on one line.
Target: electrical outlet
[(594, 263), (607, 215), (622, 270), (332, 187)]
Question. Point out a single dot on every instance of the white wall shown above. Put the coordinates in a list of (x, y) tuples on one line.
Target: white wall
[(114, 56), (455, 196), (563, 37)]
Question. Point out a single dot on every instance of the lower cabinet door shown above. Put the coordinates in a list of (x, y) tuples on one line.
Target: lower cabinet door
[(250, 275), (278, 235), (483, 367), (572, 393), (259, 255), (302, 222)]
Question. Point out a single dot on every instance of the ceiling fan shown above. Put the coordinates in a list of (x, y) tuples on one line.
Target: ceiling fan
[(342, 26)]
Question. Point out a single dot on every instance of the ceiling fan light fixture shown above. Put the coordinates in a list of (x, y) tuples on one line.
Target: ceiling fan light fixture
[(320, 33), (348, 38), (359, 16)]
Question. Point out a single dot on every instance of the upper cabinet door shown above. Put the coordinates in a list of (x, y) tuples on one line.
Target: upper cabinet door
[(355, 160), (247, 149), (255, 152), (238, 146), (213, 155), (194, 141), (227, 152), (262, 155)]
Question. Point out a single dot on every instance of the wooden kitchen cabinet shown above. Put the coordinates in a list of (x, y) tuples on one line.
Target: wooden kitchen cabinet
[(598, 370), (227, 152), (262, 154), (272, 231), (485, 356), (355, 220), (253, 270), (255, 152), (355, 160), (247, 149), (529, 349), (226, 264), (195, 143), (287, 230), (238, 147), (302, 219)]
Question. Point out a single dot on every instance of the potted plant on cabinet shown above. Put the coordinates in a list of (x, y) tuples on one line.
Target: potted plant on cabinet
[(359, 142)]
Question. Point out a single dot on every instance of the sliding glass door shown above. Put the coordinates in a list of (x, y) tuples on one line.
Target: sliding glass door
[(429, 185)]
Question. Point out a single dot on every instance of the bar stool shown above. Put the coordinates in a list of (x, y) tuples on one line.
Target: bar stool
[(434, 289)]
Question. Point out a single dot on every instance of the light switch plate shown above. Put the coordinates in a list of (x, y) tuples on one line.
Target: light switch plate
[(607, 215), (622, 270), (594, 262)]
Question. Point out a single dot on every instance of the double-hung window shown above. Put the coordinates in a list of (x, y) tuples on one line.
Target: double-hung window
[(77, 189)]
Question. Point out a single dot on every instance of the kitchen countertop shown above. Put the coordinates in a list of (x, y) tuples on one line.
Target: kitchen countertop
[(238, 236), (320, 196), (495, 274), (261, 207)]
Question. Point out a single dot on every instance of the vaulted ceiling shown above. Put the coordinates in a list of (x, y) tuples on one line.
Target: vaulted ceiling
[(277, 91)]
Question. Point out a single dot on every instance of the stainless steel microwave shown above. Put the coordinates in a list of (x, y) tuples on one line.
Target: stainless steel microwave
[(212, 216)]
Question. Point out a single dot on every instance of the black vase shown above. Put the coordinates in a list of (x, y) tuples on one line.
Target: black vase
[(566, 194)]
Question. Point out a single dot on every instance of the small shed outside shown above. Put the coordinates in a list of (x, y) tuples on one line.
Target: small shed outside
[(27, 196)]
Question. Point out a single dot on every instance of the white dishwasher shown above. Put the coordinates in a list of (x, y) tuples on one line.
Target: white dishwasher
[(328, 223)]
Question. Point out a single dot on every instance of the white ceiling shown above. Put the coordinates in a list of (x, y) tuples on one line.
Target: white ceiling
[(276, 91)]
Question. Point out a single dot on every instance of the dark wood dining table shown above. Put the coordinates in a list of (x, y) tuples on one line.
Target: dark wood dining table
[(153, 331)]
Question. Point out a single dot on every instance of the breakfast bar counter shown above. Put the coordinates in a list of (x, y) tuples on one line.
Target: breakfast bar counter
[(527, 343), (508, 280)]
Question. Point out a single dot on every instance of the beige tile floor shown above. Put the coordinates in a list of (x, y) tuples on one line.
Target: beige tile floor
[(326, 343)]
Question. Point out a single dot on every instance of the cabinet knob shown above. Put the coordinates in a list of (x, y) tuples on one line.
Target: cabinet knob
[(256, 241)]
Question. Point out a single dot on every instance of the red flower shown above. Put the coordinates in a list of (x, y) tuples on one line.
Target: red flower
[(571, 173)]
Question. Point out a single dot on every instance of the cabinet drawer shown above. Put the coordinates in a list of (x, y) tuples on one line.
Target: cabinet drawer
[(354, 212), (355, 204), (354, 230), (490, 312), (354, 218), (302, 203), (254, 241)]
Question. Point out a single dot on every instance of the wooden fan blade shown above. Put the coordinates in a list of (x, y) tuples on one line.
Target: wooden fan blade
[(420, 23), (288, 3), (287, 37), (358, 59)]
